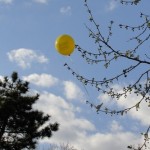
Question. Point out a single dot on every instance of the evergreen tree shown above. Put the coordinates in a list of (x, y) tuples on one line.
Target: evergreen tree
[(20, 125)]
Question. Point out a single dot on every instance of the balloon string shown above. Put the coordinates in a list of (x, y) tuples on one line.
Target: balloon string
[(87, 93)]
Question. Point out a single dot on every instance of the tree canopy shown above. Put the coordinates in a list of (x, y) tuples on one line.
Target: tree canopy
[(21, 125)]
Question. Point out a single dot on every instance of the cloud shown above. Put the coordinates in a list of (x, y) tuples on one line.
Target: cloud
[(97, 141), (25, 57), (6, 1), (112, 5), (65, 10), (79, 131), (42, 80), (64, 113), (72, 91), (141, 115), (107, 141), (1, 78), (41, 1), (116, 127)]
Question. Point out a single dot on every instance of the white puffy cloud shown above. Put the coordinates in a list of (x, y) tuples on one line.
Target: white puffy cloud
[(37, 1), (116, 127), (1, 77), (63, 113), (79, 131), (112, 5), (142, 114), (72, 91), (97, 141), (107, 141), (42, 80), (41, 1), (25, 57), (6, 1), (65, 10)]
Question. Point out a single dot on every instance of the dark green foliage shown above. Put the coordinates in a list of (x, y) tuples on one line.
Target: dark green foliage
[(19, 122)]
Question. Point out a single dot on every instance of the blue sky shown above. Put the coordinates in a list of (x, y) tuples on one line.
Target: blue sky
[(28, 30)]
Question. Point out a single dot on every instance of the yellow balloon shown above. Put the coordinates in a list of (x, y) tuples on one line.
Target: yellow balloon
[(65, 44)]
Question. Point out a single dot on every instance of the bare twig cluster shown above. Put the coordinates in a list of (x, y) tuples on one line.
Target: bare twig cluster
[(145, 143), (132, 2), (106, 54)]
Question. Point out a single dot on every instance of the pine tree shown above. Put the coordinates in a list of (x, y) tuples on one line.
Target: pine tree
[(20, 124)]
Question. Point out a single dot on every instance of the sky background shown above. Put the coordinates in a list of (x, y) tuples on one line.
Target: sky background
[(28, 30)]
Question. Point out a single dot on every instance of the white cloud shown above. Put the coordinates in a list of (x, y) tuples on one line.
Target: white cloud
[(64, 113), (108, 141), (80, 132), (1, 78), (142, 114), (6, 1), (41, 1), (112, 5), (72, 91), (43, 80), (116, 127), (65, 10), (25, 57)]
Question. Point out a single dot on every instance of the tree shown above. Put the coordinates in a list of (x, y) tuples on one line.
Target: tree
[(20, 125), (106, 54)]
